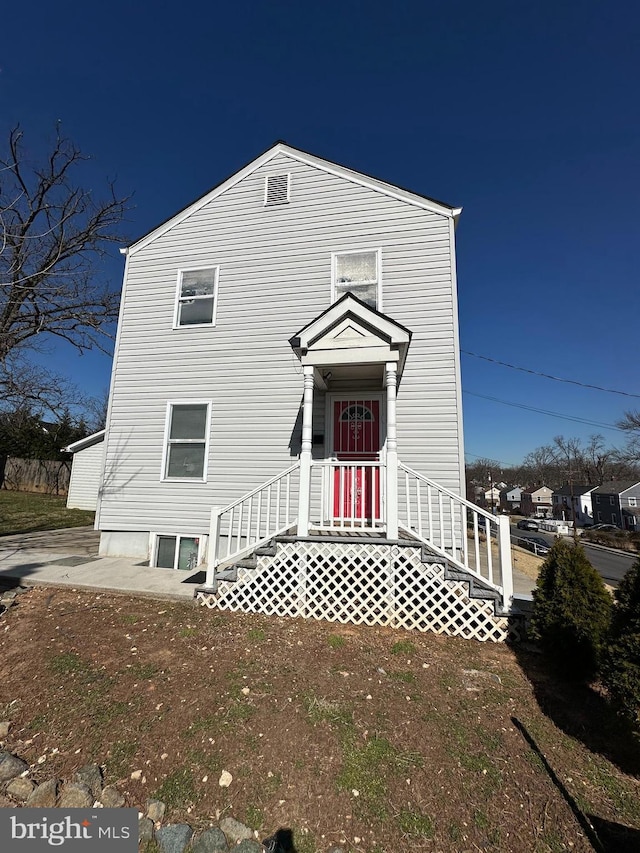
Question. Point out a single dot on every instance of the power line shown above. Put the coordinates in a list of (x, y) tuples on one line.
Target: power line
[(548, 376), (491, 459), (573, 418)]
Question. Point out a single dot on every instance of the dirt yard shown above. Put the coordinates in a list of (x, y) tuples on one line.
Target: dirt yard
[(372, 739)]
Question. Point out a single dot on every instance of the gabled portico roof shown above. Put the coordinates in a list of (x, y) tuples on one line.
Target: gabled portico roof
[(351, 332)]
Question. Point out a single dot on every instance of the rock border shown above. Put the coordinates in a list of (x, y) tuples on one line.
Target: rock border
[(87, 790)]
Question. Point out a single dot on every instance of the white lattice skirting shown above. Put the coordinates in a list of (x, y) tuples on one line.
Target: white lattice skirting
[(360, 584)]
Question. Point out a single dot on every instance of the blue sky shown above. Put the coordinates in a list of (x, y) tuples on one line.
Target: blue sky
[(525, 115)]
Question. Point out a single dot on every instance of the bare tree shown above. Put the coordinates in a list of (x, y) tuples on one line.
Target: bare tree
[(53, 235), (631, 424)]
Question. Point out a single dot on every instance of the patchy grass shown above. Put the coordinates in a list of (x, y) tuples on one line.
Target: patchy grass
[(26, 512), (407, 742), (178, 790)]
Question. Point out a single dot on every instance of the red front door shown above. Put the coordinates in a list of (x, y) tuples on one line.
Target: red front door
[(356, 440)]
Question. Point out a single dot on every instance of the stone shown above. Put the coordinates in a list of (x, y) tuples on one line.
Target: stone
[(174, 838), (248, 846), (44, 796), (155, 810), (225, 779), (91, 776), (75, 795), (111, 798), (234, 830), (5, 725), (20, 788), (210, 841), (145, 829), (335, 850), (11, 766)]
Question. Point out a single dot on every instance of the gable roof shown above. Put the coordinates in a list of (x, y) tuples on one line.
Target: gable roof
[(276, 149), (533, 489), (615, 487), (574, 490), (360, 325)]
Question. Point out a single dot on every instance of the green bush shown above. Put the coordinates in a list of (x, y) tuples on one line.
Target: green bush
[(621, 663), (571, 611)]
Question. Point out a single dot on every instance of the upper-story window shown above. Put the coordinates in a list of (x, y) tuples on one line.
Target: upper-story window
[(197, 296), (633, 502), (358, 273)]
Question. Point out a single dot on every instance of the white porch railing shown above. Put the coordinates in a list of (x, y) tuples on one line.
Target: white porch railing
[(470, 537), (252, 520), (351, 495)]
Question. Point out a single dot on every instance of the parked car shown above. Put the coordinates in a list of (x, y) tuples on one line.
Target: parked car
[(528, 524), (536, 544)]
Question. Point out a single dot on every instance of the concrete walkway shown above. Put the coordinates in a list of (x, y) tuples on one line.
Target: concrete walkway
[(70, 558)]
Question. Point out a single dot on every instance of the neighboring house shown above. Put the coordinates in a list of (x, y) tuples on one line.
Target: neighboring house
[(578, 495), (86, 471), (510, 498), (492, 498), (536, 501), (617, 502), (285, 405)]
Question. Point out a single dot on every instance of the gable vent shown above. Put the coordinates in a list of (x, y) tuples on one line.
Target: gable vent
[(276, 190)]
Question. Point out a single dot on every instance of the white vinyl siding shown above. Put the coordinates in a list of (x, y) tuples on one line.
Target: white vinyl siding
[(86, 477), (277, 276)]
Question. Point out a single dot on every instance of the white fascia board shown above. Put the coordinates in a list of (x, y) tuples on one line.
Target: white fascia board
[(205, 199), (85, 442), (309, 160), (373, 183), (331, 318)]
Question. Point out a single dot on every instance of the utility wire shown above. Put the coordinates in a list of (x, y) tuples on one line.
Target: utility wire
[(573, 418), (548, 376)]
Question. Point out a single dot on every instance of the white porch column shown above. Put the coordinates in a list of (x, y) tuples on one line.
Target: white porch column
[(304, 499), (391, 381)]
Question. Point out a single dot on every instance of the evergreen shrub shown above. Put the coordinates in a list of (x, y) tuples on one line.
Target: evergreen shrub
[(621, 662), (571, 612)]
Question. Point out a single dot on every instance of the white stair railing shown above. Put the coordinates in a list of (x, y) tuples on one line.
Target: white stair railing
[(252, 520), (351, 494), (469, 537)]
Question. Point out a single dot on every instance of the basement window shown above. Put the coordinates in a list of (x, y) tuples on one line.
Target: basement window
[(276, 190), (177, 552)]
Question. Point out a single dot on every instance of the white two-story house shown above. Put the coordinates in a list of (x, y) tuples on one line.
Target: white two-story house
[(286, 401)]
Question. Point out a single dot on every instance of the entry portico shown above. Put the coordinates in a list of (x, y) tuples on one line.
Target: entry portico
[(344, 347)]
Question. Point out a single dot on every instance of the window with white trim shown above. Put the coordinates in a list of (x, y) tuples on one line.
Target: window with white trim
[(599, 516), (177, 552), (197, 295), (612, 500), (186, 441), (357, 273), (614, 518), (633, 502)]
